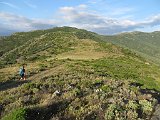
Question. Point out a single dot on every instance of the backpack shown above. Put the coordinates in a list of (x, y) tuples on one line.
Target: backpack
[(21, 71)]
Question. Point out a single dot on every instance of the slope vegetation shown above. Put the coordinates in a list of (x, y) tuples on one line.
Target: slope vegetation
[(73, 74), (145, 44)]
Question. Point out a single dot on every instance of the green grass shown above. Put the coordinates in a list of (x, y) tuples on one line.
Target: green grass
[(17, 114), (124, 68), (82, 88), (145, 44)]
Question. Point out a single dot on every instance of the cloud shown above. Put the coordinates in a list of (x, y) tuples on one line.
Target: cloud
[(80, 17), (71, 15), (102, 24), (30, 5), (12, 22), (152, 21), (94, 1), (10, 5)]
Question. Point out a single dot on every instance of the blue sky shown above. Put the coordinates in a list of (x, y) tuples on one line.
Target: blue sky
[(101, 16)]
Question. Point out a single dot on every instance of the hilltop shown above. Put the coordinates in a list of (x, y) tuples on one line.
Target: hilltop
[(73, 74)]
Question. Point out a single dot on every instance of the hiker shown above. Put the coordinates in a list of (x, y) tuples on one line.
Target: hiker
[(22, 73)]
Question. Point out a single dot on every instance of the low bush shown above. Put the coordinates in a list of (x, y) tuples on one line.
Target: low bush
[(17, 114)]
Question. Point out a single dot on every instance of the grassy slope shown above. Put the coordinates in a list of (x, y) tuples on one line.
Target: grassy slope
[(39, 44), (96, 80), (145, 44)]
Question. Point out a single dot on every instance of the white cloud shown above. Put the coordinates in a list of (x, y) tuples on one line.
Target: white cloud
[(153, 21), (79, 17), (30, 5), (94, 1), (10, 5), (102, 24), (82, 6), (12, 22)]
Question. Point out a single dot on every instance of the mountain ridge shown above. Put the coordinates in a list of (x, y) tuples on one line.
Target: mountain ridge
[(74, 74), (145, 44)]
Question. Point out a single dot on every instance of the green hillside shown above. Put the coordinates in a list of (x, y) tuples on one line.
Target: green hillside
[(73, 74), (145, 44)]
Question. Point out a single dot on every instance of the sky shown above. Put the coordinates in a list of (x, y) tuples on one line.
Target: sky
[(100, 16)]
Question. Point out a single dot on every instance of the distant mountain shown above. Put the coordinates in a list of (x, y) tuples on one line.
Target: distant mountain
[(145, 44), (4, 32), (75, 74)]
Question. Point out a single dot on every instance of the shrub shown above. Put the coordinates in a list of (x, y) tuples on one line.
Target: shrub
[(105, 88), (132, 115), (17, 114), (97, 82), (78, 92), (146, 107), (109, 115), (42, 67), (132, 105)]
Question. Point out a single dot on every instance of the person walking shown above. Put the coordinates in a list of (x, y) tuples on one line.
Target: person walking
[(22, 73)]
